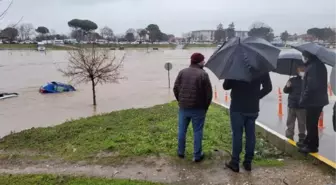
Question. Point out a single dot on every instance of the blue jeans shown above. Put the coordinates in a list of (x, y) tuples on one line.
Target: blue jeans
[(197, 116), (239, 121)]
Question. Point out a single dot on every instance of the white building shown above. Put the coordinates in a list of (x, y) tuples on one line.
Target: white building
[(241, 34), (203, 35), (209, 35)]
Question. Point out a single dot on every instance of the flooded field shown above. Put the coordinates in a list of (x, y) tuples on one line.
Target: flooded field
[(146, 84)]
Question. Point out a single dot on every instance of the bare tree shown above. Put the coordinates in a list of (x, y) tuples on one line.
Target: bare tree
[(2, 14), (106, 33), (26, 30), (95, 66)]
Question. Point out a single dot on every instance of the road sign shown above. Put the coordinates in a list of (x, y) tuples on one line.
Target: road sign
[(168, 66)]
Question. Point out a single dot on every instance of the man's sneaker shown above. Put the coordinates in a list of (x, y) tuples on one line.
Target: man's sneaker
[(200, 159), (247, 166), (232, 166)]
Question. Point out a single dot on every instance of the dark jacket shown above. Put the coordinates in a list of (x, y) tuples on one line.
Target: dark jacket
[(246, 95), (334, 117), (193, 88), (294, 92), (315, 85)]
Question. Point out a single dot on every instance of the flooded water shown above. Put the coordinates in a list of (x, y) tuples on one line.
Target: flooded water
[(146, 84)]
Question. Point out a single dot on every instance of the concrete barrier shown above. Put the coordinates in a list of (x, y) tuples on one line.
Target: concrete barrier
[(282, 143)]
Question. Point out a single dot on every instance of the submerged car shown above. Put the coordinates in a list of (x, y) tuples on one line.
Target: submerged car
[(8, 95), (56, 87)]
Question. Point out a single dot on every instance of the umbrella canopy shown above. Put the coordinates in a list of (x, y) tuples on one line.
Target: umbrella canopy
[(325, 55), (288, 63), (243, 59)]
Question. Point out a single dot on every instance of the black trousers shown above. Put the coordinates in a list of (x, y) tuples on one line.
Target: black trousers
[(312, 119)]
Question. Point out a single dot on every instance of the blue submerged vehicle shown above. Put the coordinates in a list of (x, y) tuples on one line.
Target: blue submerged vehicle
[(56, 87)]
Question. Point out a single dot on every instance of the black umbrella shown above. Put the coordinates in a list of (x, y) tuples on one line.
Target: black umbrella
[(288, 63), (333, 80), (324, 54), (243, 59)]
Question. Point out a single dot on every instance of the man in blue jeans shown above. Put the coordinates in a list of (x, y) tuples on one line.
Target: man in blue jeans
[(193, 91), (244, 110)]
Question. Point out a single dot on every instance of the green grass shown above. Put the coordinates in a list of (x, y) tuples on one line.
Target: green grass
[(127, 133), (64, 180)]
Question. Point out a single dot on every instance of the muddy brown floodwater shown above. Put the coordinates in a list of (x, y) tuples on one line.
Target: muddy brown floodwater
[(146, 84)]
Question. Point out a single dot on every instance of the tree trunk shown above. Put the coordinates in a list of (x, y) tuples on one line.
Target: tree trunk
[(93, 92)]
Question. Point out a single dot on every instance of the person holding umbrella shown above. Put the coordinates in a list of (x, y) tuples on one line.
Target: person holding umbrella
[(245, 65), (315, 90), (291, 64), (293, 89), (313, 98)]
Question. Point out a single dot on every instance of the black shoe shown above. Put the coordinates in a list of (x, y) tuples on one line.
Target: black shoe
[(307, 150), (301, 144), (200, 159), (247, 166), (180, 156), (232, 166)]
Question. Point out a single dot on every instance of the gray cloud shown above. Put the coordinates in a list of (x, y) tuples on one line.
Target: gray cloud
[(175, 16)]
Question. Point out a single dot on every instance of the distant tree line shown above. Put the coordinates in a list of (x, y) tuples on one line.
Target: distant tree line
[(222, 34), (84, 30), (257, 29), (322, 34)]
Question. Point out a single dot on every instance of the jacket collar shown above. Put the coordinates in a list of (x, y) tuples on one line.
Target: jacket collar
[(195, 66)]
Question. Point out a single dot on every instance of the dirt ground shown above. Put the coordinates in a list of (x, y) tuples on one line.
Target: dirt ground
[(181, 172)]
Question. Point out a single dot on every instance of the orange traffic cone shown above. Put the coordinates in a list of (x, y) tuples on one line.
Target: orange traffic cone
[(216, 95), (320, 123), (330, 90), (280, 114), (226, 97)]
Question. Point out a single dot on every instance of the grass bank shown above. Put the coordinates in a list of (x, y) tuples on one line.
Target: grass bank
[(133, 46), (112, 137), (64, 180), (200, 46), (30, 47), (68, 47)]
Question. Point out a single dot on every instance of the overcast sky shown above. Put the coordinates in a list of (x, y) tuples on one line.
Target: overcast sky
[(174, 16)]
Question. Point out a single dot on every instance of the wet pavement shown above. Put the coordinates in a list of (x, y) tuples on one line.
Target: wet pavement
[(146, 84)]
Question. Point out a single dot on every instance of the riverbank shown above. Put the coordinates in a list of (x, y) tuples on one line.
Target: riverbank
[(141, 144), (187, 46), (30, 47), (73, 46)]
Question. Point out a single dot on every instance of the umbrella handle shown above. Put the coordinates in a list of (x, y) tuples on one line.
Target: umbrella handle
[(291, 68)]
